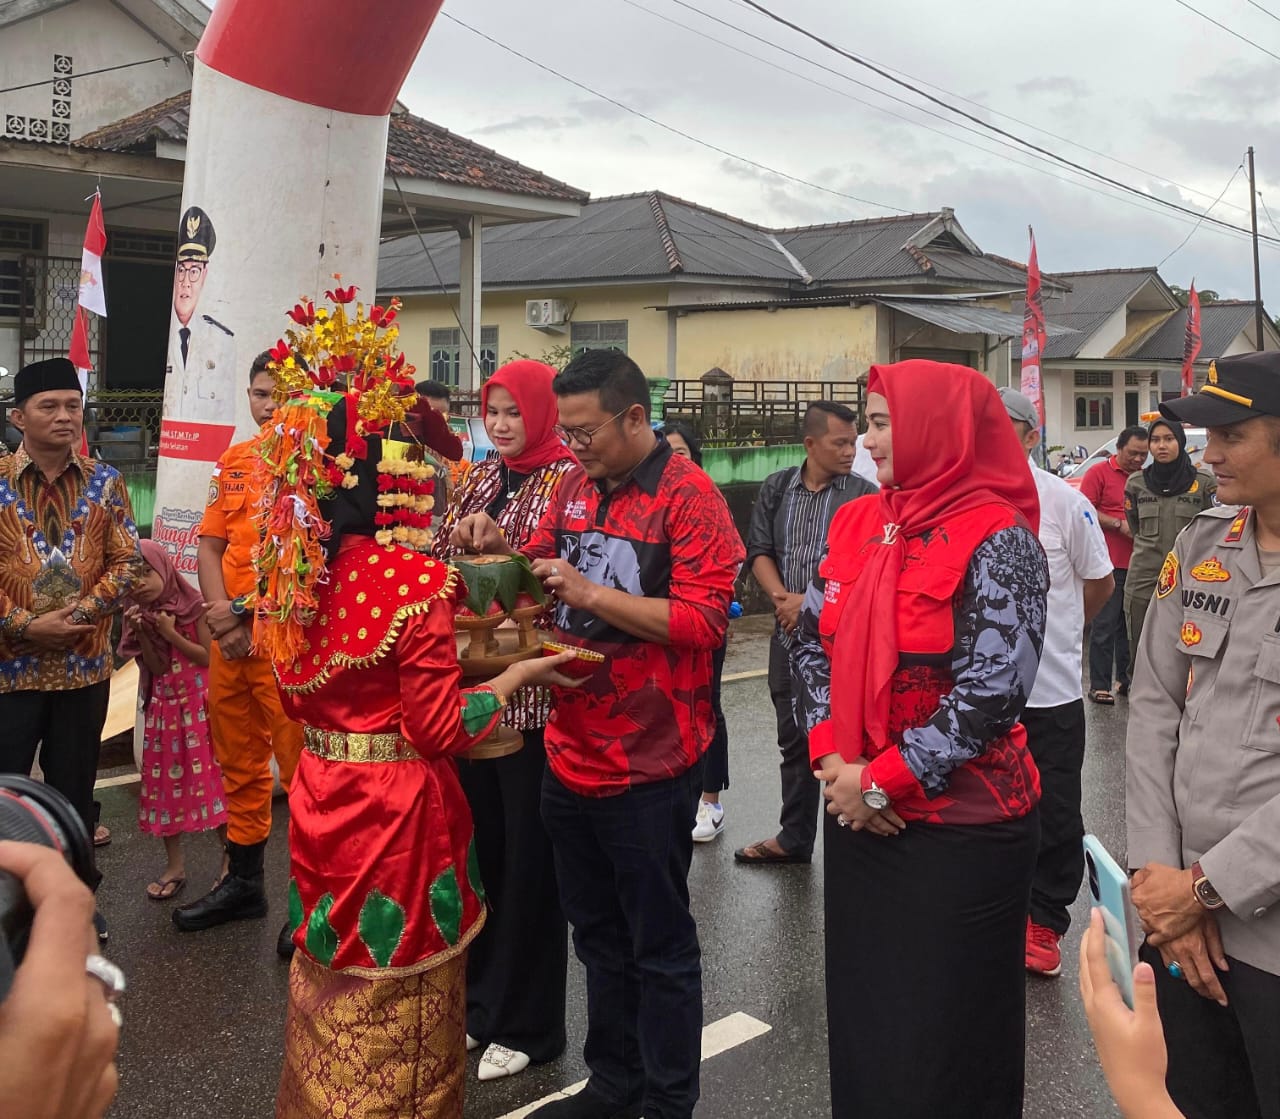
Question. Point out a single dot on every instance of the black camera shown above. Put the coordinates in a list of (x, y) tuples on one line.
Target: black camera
[(31, 812)]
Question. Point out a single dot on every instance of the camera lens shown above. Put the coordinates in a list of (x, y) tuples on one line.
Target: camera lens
[(31, 812), (1094, 889)]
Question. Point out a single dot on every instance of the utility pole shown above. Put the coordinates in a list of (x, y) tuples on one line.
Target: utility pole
[(1257, 272)]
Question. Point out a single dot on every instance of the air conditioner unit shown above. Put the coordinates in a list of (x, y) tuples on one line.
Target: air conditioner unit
[(544, 314)]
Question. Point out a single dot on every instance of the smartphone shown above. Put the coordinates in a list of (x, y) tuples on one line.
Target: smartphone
[(1109, 888)]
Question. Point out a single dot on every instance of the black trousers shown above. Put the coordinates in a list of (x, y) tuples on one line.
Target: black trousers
[(925, 955), (798, 822), (1055, 736), (1224, 1061), (623, 867), (1109, 641), (66, 726), (715, 773), (516, 967)]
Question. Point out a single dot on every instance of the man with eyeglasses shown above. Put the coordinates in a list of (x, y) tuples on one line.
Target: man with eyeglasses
[(640, 552), (196, 342)]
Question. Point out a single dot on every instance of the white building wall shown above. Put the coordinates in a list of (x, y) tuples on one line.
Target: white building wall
[(72, 40)]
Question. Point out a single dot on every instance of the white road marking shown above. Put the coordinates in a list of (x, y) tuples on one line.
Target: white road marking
[(754, 674), (728, 1032), (113, 782)]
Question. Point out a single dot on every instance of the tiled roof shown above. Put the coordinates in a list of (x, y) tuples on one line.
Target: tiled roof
[(655, 236), (416, 149)]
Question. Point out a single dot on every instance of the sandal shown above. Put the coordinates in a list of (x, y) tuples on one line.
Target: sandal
[(101, 836), (1105, 698), (761, 853), (162, 889)]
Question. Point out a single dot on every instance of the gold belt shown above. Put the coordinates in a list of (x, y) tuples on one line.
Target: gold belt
[(336, 746)]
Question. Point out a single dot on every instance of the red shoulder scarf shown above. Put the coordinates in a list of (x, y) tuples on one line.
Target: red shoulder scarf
[(954, 452)]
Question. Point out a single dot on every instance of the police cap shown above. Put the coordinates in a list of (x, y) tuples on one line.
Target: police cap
[(195, 235), (1238, 388)]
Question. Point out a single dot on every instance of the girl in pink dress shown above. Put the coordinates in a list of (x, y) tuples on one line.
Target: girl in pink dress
[(181, 782)]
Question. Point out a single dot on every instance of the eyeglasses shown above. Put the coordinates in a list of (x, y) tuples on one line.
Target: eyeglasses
[(580, 436), (190, 272)]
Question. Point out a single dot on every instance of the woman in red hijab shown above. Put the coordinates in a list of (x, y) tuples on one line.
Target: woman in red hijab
[(918, 645), (516, 968)]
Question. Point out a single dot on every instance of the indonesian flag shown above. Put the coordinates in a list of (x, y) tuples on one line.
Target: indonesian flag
[(1033, 336), (92, 298), (1191, 342)]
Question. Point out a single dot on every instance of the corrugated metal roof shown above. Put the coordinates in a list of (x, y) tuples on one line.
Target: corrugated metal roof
[(966, 318), (1094, 297), (1220, 325), (653, 235)]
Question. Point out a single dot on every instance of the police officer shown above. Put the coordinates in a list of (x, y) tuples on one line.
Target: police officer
[(198, 344), (1204, 761)]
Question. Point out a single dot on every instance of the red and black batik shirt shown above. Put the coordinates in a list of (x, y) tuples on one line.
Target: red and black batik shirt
[(665, 532)]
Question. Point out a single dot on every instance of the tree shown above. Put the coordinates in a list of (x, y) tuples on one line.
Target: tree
[(1182, 295)]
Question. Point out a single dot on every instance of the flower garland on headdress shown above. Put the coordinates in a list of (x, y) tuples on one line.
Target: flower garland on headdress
[(329, 355)]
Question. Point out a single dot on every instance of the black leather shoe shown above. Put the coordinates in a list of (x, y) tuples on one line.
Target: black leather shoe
[(239, 896), (284, 942)]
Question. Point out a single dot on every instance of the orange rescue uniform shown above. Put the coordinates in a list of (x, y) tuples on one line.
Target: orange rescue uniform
[(246, 719)]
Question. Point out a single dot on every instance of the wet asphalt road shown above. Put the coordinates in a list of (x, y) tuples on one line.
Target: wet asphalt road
[(204, 1013)]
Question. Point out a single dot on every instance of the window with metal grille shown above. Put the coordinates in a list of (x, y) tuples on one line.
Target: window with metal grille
[(19, 237), (1094, 378), (141, 244), (445, 345), (1093, 409), (609, 334), (1137, 380)]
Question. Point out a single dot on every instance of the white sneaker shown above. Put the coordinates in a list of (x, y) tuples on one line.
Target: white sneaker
[(499, 1061), (709, 821), (472, 1043)]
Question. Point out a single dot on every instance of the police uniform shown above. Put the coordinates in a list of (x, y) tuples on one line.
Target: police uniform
[(203, 346), (1203, 780)]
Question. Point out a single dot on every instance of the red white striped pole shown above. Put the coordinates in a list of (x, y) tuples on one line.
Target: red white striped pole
[(285, 167)]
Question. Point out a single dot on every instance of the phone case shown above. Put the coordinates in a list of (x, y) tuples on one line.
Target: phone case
[(1109, 888)]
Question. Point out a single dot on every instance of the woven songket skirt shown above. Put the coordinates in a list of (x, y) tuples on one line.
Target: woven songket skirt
[(391, 1048)]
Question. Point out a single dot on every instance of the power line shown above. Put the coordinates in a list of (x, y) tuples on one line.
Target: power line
[(1268, 212), (917, 123), (910, 104), (89, 73), (1234, 34), (671, 128), (1239, 168), (760, 8), (1264, 11)]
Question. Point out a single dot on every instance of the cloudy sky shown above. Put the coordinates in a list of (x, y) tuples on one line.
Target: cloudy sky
[(1167, 102)]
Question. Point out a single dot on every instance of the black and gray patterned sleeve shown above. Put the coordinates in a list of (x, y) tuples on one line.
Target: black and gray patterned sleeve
[(810, 667), (999, 634)]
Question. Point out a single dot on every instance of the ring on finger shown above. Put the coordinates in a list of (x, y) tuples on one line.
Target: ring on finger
[(1175, 969), (106, 973), (555, 570), (842, 820)]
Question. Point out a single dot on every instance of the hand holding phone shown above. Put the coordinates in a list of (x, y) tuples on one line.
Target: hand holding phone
[(1109, 888)]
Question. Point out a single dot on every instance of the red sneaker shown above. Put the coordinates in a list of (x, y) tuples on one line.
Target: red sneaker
[(1044, 956)]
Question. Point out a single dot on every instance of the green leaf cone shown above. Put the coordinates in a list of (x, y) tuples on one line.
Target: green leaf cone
[(322, 940), (295, 906), (473, 870), (381, 926), (446, 905)]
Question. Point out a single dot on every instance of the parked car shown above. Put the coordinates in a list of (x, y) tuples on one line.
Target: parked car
[(1196, 438)]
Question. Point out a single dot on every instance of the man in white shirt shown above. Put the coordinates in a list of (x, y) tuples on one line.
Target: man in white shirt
[(1080, 583)]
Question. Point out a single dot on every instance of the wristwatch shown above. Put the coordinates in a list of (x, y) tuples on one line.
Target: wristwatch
[(240, 605), (1203, 889), (875, 797)]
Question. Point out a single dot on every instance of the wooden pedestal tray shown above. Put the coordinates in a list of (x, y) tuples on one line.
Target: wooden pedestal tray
[(507, 645)]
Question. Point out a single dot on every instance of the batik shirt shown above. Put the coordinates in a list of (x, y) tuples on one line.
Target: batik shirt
[(66, 542), (957, 753)]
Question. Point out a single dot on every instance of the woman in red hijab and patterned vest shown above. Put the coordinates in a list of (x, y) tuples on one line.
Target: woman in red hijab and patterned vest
[(516, 968), (919, 643), (384, 893)]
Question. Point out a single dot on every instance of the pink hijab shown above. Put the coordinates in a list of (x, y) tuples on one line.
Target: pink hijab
[(178, 598)]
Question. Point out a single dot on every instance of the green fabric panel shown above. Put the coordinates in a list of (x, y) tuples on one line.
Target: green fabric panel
[(446, 905), (322, 940), (295, 906), (473, 870), (478, 710), (381, 926)]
